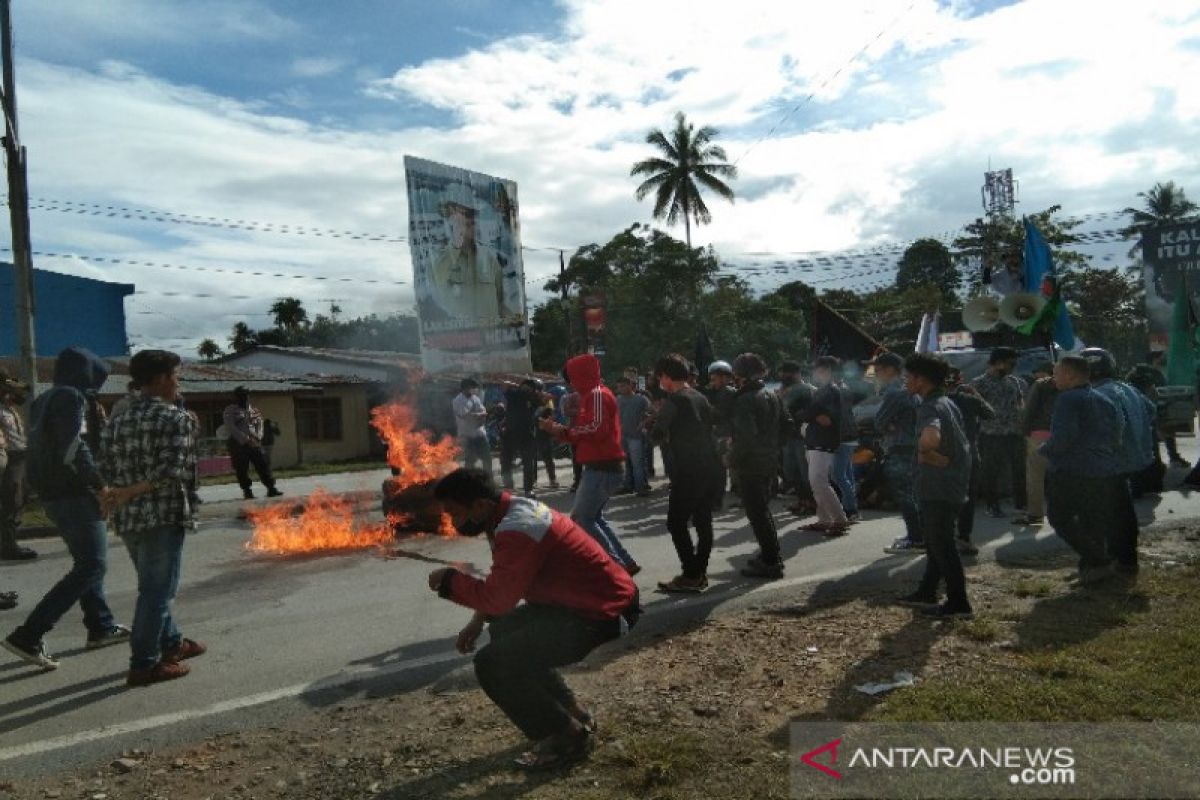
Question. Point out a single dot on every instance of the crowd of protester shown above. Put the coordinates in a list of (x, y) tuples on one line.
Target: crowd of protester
[(1069, 443)]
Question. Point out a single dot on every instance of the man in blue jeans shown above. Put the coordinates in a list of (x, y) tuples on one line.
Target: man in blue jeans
[(633, 409), (148, 454), (62, 469)]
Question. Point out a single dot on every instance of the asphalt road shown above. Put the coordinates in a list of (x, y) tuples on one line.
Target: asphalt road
[(290, 633)]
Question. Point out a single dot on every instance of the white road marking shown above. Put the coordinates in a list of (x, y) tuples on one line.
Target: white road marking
[(225, 706)]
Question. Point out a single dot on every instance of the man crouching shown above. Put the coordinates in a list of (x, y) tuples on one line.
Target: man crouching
[(576, 599)]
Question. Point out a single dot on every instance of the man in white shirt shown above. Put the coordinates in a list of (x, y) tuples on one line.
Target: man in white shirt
[(471, 417)]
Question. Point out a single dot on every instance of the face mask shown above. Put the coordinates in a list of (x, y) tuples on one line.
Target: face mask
[(471, 527)]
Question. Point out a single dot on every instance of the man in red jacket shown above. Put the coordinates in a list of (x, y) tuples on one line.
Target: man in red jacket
[(576, 598), (595, 433)]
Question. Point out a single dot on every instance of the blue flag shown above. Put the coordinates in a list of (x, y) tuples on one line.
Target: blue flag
[(1041, 279)]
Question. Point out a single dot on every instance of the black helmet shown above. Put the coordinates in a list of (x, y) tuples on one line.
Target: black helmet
[(1104, 366)]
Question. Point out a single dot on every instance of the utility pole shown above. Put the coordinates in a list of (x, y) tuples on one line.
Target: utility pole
[(18, 210)]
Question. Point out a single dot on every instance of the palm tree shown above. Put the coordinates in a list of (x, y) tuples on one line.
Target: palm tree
[(209, 350), (243, 337), (289, 314), (1165, 203), (688, 160)]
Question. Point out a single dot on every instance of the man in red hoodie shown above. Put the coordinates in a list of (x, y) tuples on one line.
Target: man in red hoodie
[(595, 433), (576, 598)]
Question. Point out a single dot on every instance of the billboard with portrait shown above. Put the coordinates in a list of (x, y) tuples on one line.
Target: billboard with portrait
[(1171, 260), (468, 277)]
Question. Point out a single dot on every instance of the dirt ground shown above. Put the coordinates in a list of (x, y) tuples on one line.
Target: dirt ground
[(698, 713)]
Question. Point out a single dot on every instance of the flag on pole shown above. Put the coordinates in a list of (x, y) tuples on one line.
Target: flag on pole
[(927, 339), (1041, 278), (1181, 344)]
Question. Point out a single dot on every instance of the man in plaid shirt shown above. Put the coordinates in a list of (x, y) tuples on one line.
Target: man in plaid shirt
[(148, 458)]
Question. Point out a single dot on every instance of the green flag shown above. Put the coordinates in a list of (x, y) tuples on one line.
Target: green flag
[(1044, 319), (1181, 348)]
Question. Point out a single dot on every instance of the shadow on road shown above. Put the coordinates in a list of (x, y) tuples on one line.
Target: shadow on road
[(69, 699)]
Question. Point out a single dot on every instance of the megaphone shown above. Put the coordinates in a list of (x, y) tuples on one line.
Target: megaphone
[(1019, 308), (981, 314)]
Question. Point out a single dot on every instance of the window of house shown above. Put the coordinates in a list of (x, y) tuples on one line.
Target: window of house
[(319, 419)]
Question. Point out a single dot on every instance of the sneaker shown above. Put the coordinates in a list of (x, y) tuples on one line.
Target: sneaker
[(31, 653), (917, 600), (273, 492), (18, 553), (966, 548), (114, 635), (187, 648), (905, 546), (553, 484), (947, 611), (1028, 521), (760, 569), (248, 495), (996, 512), (160, 672), (1181, 463), (853, 519), (683, 585)]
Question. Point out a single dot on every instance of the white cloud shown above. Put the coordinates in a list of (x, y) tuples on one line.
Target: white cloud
[(1088, 102), (318, 66)]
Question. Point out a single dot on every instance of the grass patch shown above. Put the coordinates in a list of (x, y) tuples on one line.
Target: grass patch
[(1120, 653), (980, 629), (1033, 587), (306, 470)]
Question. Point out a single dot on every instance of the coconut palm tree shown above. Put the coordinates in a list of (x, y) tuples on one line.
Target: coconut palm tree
[(209, 350), (289, 314), (688, 160), (1165, 203)]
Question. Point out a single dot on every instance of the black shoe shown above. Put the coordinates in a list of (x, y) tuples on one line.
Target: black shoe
[(1179, 462), (996, 512), (273, 492), (947, 611), (248, 495), (917, 600), (112, 635), (18, 553), (761, 569), (8, 600)]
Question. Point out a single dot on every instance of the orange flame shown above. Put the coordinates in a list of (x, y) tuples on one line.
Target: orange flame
[(326, 522)]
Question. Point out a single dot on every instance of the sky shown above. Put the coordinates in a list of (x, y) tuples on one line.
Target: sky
[(268, 136)]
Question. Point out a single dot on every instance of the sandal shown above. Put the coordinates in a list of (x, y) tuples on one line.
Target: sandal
[(554, 753), (836, 530), (816, 527)]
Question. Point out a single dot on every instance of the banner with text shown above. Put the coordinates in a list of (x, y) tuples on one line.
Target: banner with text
[(1170, 254), (465, 238)]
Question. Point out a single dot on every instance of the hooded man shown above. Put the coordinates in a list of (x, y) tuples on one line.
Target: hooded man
[(595, 434), (576, 598), (245, 425), (63, 471), (754, 459)]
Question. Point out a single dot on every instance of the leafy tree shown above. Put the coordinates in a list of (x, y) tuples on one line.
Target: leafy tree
[(243, 337), (1108, 310), (999, 239), (1164, 203), (209, 350), (687, 161), (927, 262), (289, 314)]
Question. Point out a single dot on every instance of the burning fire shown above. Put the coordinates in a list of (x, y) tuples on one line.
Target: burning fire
[(326, 522)]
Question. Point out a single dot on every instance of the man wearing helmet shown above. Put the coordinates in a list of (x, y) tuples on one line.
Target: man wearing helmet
[(722, 396), (1137, 452)]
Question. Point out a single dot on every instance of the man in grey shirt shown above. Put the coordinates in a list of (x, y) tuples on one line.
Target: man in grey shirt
[(633, 409), (471, 418), (942, 480)]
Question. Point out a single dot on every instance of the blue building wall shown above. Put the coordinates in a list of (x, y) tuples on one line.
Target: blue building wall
[(68, 311)]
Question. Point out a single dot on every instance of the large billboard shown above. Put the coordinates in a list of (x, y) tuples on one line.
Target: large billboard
[(1171, 258), (467, 272)]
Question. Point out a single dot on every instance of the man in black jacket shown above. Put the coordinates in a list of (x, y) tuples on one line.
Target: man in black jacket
[(685, 426), (517, 439), (754, 459), (62, 469), (974, 410)]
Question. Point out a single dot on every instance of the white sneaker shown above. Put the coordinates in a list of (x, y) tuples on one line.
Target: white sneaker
[(35, 655)]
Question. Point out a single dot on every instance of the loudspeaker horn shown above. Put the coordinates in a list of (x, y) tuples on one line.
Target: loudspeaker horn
[(981, 314), (1019, 308)]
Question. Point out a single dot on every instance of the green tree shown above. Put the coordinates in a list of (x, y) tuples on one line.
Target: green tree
[(243, 337), (927, 262), (1108, 310), (209, 350), (289, 314), (687, 161), (999, 240), (1163, 204)]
